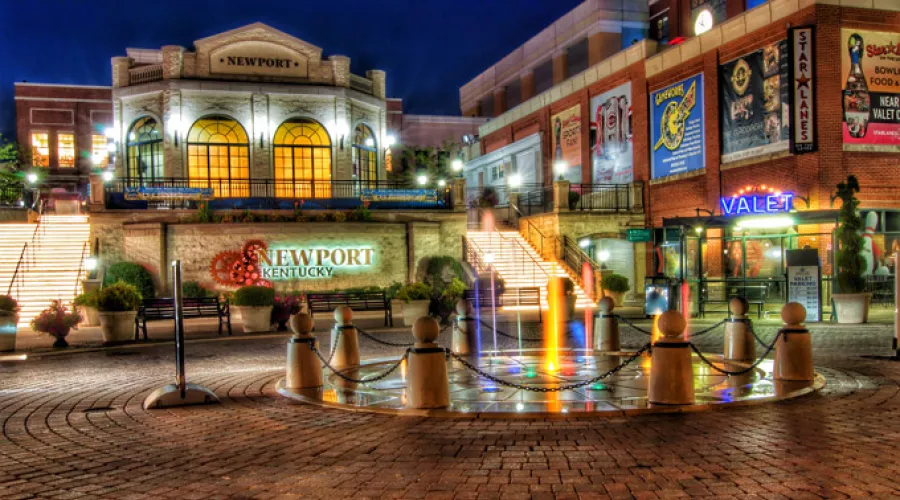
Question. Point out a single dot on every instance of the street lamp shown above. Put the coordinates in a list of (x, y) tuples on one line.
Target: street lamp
[(32, 177), (390, 140), (456, 165), (442, 182), (560, 168), (107, 175), (515, 181), (422, 179)]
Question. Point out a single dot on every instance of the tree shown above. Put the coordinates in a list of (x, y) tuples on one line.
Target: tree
[(13, 156), (850, 261), (433, 163)]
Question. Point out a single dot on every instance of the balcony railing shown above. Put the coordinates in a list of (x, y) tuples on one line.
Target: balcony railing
[(271, 194), (145, 74), (600, 197)]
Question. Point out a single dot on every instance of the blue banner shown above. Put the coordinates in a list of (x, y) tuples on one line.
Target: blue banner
[(167, 193), (393, 195), (677, 139)]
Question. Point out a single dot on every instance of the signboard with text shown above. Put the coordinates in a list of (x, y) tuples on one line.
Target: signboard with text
[(566, 142), (803, 288), (870, 74), (802, 69), (677, 137), (257, 58), (753, 106), (612, 152)]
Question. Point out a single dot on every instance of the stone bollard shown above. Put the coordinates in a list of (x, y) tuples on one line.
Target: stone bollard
[(793, 349), (739, 342), (304, 370), (607, 327), (465, 331), (671, 370), (344, 340), (428, 383)]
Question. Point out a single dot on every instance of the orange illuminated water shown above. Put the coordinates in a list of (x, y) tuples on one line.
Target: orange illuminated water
[(587, 277), (686, 309), (553, 325)]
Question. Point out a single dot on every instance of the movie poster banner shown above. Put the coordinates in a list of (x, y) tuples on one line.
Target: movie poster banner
[(676, 128), (612, 152), (870, 70), (566, 143), (754, 103)]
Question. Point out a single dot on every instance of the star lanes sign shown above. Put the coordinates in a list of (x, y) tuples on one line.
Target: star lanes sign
[(801, 42)]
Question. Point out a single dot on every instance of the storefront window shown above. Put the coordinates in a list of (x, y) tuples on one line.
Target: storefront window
[(144, 147), (99, 151), (219, 157), (65, 150), (40, 149), (302, 160), (365, 166)]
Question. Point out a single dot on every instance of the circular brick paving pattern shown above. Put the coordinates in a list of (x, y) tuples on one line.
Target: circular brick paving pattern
[(73, 427)]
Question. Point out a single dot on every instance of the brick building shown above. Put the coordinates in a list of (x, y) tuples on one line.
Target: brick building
[(716, 126)]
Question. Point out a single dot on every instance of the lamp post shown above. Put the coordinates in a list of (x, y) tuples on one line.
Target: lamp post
[(489, 260)]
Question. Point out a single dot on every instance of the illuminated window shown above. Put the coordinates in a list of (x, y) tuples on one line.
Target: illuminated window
[(144, 148), (65, 150), (40, 149), (219, 157), (365, 166), (302, 160), (99, 152)]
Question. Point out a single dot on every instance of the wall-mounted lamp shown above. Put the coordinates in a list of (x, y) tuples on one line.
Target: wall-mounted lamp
[(175, 126), (422, 179), (342, 130), (370, 142), (110, 133), (456, 165), (390, 140), (107, 175), (32, 178), (515, 180), (442, 182), (560, 167)]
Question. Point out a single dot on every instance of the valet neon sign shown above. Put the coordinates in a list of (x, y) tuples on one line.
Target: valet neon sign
[(762, 203)]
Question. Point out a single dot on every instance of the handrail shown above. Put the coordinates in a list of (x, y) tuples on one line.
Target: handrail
[(80, 267), (580, 258), (16, 272)]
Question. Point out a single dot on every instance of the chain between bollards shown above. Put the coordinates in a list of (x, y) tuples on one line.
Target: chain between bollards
[(561, 388), (707, 330), (504, 334), (383, 342), (753, 332), (738, 372), (632, 325), (362, 380)]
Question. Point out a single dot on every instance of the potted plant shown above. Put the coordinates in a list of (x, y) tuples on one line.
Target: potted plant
[(615, 286), (851, 304), (449, 296), (117, 306), (416, 298), (133, 274), (390, 292), (9, 319), (57, 320), (255, 304), (86, 304), (574, 198), (286, 305)]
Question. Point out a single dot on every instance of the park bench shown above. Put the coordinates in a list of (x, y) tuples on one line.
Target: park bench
[(358, 301), (754, 294), (164, 308)]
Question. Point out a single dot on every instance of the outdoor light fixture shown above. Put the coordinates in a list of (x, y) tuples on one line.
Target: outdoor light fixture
[(262, 134), (111, 147), (175, 126), (370, 142), (515, 180), (777, 221), (560, 168), (456, 165), (341, 129), (90, 264), (442, 183), (698, 230), (32, 177), (489, 258), (107, 175), (584, 243), (422, 179), (603, 255), (110, 133), (390, 140)]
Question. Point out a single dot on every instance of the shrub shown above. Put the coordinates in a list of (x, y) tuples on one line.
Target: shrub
[(414, 291), (574, 198), (453, 292), (56, 320), (362, 213), (434, 272), (193, 290), (119, 296), (87, 299), (391, 291), (204, 214), (339, 217), (8, 304), (254, 296), (286, 304), (321, 217), (850, 262), (133, 274), (616, 283)]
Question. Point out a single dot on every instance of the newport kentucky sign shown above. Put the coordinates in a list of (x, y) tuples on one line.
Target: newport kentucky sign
[(292, 263), (257, 58)]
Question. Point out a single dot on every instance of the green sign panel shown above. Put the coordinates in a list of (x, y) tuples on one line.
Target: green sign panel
[(639, 235)]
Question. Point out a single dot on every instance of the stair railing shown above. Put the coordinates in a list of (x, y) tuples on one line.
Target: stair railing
[(18, 278), (84, 249), (575, 258), (515, 246)]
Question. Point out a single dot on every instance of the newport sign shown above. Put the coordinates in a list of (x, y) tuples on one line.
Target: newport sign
[(757, 204), (283, 264)]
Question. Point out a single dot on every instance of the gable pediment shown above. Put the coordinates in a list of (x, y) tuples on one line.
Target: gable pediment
[(257, 49)]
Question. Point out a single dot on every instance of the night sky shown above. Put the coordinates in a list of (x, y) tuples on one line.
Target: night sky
[(429, 48)]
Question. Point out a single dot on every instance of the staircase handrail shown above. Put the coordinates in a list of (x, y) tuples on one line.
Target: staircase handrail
[(531, 227), (80, 267), (16, 272), (525, 252), (476, 261), (580, 257)]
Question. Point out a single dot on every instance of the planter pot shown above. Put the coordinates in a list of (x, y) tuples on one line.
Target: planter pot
[(117, 327), (8, 330), (89, 316), (256, 318), (618, 297), (852, 308), (414, 310), (60, 342)]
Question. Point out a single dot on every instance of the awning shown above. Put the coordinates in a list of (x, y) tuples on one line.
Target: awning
[(801, 217)]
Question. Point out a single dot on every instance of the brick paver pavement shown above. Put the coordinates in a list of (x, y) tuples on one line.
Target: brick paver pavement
[(73, 427)]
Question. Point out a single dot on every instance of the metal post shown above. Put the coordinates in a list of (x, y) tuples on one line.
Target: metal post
[(896, 304), (179, 328)]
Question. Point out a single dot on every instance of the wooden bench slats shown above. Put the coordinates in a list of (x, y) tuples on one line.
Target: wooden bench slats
[(164, 308), (358, 301)]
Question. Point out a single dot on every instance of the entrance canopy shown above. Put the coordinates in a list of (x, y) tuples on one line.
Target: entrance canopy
[(725, 221)]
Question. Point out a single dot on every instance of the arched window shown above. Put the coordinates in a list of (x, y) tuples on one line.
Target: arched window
[(144, 147), (365, 163), (219, 157), (302, 159)]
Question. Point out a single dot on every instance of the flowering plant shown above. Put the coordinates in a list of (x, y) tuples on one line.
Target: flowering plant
[(56, 320), (286, 305)]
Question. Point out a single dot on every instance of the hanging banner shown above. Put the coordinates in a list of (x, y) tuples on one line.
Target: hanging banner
[(753, 103), (566, 143), (612, 152), (802, 75), (676, 128), (870, 69)]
